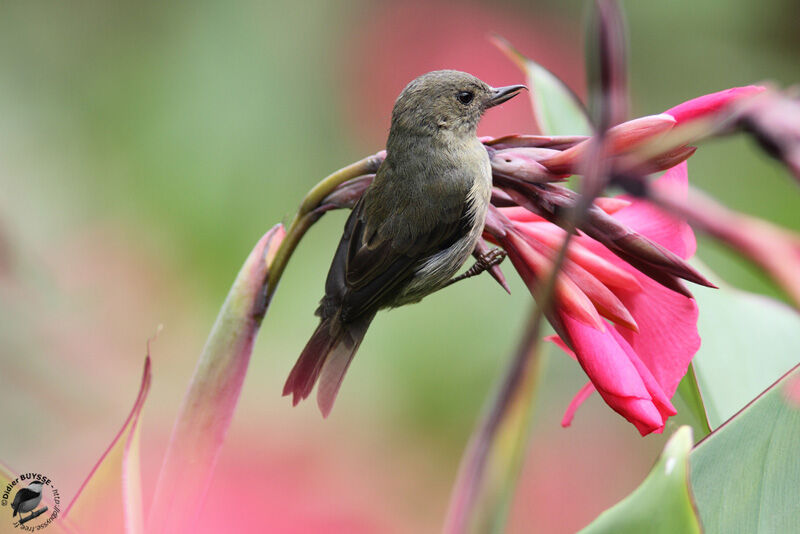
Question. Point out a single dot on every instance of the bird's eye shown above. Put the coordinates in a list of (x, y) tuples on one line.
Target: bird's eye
[(465, 97)]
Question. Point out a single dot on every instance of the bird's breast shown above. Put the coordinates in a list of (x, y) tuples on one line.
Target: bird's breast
[(463, 180)]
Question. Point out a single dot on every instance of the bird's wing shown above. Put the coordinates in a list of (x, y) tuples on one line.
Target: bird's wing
[(23, 495), (378, 253), (16, 503)]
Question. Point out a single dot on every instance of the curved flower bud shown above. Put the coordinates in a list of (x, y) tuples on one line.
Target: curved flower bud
[(620, 139), (624, 140), (707, 105)]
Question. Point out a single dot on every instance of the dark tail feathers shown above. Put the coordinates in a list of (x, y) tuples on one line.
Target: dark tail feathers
[(326, 358)]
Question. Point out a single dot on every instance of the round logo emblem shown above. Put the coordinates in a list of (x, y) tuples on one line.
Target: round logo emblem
[(22, 503)]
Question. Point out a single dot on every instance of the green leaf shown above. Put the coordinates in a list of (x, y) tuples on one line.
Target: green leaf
[(210, 402), (746, 475), (662, 503), (748, 342), (557, 110), (110, 499), (689, 392)]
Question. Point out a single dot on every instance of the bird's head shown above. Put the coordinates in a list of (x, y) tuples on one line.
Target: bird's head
[(447, 100), (36, 485)]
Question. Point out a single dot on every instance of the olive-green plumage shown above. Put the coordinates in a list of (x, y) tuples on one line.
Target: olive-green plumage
[(413, 228)]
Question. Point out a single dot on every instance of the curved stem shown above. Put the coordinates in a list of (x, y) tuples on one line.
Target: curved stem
[(307, 215)]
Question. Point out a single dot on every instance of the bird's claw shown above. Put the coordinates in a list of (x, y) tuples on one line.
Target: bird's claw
[(484, 262), (492, 257)]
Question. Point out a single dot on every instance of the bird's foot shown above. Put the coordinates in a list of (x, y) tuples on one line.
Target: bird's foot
[(484, 261)]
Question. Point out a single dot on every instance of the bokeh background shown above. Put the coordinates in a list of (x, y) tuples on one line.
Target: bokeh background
[(144, 148)]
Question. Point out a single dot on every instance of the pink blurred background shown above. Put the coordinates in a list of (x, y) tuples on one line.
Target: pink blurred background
[(145, 149)]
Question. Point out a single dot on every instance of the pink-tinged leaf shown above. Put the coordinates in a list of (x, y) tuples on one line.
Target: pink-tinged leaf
[(209, 404), (110, 499), (706, 105)]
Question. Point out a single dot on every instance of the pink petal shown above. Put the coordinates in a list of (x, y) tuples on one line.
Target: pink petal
[(611, 205), (576, 401), (612, 367), (519, 214), (667, 338), (608, 273), (658, 225), (605, 302), (533, 266), (660, 399), (708, 104)]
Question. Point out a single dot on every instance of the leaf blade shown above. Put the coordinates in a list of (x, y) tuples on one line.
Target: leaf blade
[(207, 411), (737, 329), (557, 109), (689, 391), (745, 475), (662, 503), (110, 499)]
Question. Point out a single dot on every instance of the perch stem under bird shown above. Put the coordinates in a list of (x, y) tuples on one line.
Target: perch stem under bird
[(33, 515), (414, 226)]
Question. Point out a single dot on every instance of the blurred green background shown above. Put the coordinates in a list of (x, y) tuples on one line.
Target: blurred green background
[(144, 148)]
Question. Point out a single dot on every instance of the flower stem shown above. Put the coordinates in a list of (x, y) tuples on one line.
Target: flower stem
[(491, 463), (307, 215)]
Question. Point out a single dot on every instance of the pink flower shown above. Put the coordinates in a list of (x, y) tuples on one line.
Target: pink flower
[(619, 307), (633, 337)]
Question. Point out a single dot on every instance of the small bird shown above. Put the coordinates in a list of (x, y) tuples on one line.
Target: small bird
[(413, 228), (27, 499)]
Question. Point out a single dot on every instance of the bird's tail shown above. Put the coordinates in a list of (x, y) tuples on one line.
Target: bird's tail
[(326, 358)]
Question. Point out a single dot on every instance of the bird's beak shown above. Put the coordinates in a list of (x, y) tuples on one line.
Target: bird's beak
[(501, 94)]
